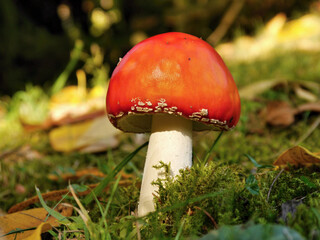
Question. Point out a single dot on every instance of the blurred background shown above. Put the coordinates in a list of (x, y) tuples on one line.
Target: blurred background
[(37, 36)]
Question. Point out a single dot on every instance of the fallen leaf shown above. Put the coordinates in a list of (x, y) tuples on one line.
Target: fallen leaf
[(88, 172), (89, 136), (36, 235), (303, 27), (72, 105), (30, 219), (279, 113), (297, 156), (277, 35)]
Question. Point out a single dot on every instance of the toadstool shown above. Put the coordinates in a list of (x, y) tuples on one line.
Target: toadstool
[(170, 85)]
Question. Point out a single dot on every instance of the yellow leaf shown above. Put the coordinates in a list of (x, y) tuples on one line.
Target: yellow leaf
[(68, 94), (89, 136), (297, 156), (36, 235), (23, 220), (306, 26)]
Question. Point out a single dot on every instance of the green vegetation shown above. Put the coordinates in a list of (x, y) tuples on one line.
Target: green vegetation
[(231, 192)]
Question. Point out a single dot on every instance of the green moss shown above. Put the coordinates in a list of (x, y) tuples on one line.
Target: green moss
[(191, 183), (233, 203), (288, 186)]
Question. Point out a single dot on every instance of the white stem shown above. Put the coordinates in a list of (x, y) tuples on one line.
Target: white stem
[(170, 142)]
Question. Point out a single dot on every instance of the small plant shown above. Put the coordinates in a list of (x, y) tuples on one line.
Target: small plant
[(251, 181)]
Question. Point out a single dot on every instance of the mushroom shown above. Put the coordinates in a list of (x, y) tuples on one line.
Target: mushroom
[(170, 85)]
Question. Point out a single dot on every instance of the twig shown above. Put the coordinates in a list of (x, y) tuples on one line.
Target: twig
[(209, 216), (313, 127), (226, 22), (273, 184), (57, 195)]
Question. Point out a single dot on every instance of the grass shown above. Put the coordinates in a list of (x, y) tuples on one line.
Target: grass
[(214, 193)]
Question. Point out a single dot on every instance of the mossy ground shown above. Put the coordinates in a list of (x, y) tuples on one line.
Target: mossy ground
[(208, 195)]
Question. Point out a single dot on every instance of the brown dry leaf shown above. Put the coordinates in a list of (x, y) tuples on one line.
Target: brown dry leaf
[(29, 219), (279, 113), (89, 136), (89, 172), (297, 156)]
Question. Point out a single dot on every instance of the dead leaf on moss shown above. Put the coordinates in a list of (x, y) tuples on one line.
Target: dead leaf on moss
[(31, 218), (297, 156)]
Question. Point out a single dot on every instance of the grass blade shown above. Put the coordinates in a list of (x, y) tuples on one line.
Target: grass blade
[(180, 231), (256, 164), (97, 191), (52, 212), (206, 158), (104, 215)]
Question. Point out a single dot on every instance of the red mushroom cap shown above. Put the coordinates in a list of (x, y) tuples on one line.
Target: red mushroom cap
[(173, 73)]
